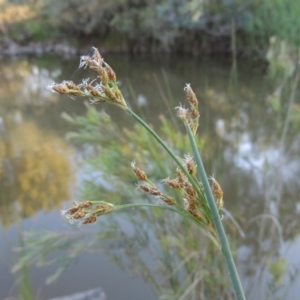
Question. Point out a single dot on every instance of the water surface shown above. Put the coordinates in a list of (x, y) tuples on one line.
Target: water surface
[(41, 171)]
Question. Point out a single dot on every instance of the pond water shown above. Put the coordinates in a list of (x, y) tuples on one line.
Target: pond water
[(42, 171)]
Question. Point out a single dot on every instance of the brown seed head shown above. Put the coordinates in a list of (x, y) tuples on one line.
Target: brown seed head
[(191, 96), (72, 210), (110, 73), (192, 203), (168, 199), (79, 214), (191, 206), (189, 190), (92, 90), (104, 208), (98, 100), (74, 90), (119, 95), (216, 188), (191, 167), (145, 188), (109, 93), (195, 214), (85, 204), (194, 113), (60, 88), (89, 220), (103, 75), (154, 191), (173, 183), (140, 174), (180, 177), (91, 63), (97, 57)]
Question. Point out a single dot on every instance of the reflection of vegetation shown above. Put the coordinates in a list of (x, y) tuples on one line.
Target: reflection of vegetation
[(24, 278), (32, 177), (43, 177), (22, 77)]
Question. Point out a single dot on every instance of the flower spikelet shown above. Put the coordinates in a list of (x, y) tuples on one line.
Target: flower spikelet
[(180, 177), (193, 113), (140, 174), (191, 96), (106, 90), (154, 191), (110, 73), (59, 88), (109, 93), (86, 209), (168, 199), (74, 90), (91, 219), (218, 192), (104, 208), (190, 164), (93, 91), (173, 183)]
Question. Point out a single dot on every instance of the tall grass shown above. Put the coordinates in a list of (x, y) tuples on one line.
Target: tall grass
[(196, 200)]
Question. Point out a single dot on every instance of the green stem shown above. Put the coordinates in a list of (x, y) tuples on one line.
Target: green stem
[(238, 290), (179, 211)]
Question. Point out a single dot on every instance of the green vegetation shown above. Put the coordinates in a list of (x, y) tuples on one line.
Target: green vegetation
[(195, 199), (186, 264), (157, 25), (279, 18)]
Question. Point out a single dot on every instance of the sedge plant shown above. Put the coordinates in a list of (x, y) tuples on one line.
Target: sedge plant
[(196, 199)]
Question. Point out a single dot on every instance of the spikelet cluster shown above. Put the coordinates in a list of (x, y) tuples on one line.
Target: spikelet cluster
[(194, 202), (218, 192), (86, 212), (98, 91), (149, 188), (191, 115), (180, 183)]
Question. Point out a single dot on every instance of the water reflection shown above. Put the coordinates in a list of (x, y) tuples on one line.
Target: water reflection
[(240, 139), (35, 168), (242, 157)]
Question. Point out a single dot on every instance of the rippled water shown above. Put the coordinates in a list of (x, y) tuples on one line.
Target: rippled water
[(41, 171)]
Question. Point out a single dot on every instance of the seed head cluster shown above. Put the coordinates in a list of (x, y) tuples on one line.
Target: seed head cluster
[(191, 115), (149, 188), (193, 201), (218, 193), (86, 212), (105, 90)]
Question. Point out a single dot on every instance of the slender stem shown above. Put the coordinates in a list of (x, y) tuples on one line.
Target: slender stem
[(179, 211), (238, 290), (132, 205)]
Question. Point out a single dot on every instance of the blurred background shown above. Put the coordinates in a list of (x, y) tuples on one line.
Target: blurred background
[(242, 60)]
